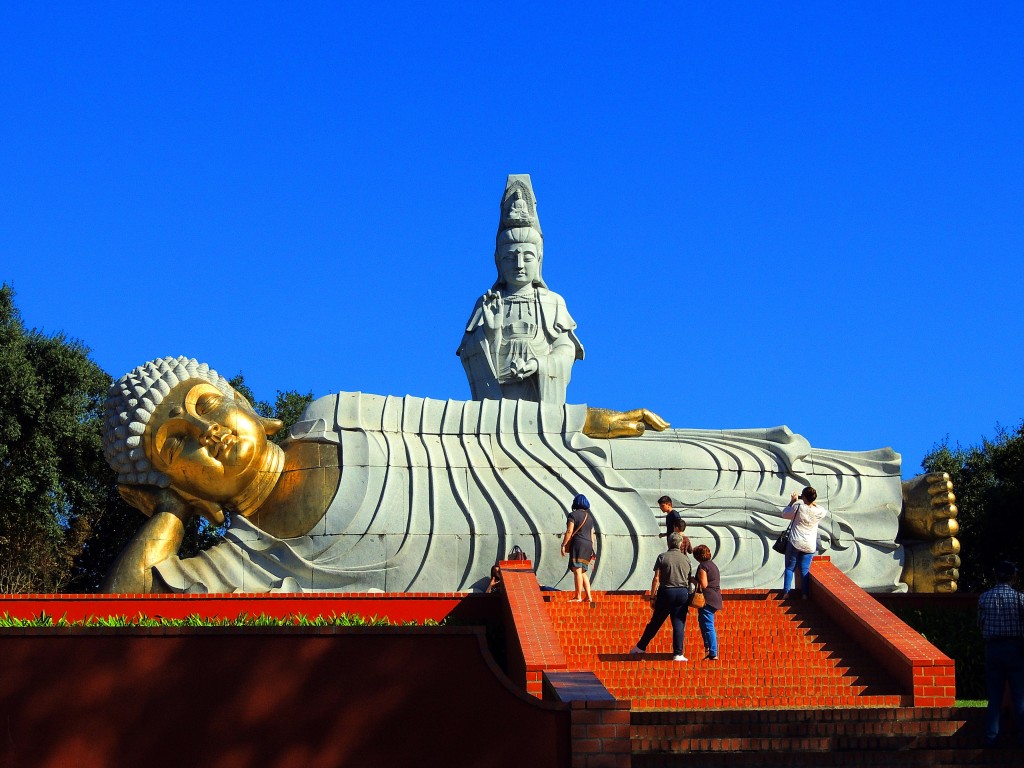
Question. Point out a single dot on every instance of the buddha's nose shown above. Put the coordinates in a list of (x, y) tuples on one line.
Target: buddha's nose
[(212, 434)]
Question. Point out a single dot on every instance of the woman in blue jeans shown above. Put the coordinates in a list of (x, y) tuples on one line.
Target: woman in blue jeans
[(709, 581), (806, 514)]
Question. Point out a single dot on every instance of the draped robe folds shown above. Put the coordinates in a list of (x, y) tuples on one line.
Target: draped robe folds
[(556, 348), (433, 492)]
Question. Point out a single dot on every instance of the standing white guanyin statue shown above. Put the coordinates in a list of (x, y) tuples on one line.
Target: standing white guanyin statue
[(520, 341)]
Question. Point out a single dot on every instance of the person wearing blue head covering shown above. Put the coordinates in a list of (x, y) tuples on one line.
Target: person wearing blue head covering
[(578, 543)]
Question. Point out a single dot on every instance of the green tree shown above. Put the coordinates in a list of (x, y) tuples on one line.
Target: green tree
[(55, 487), (988, 480)]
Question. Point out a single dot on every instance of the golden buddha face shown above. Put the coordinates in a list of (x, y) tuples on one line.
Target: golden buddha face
[(210, 444), (519, 264)]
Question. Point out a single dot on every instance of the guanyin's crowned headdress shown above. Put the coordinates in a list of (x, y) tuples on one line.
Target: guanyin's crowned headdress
[(519, 222)]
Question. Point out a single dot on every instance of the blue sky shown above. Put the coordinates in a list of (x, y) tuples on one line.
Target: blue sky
[(769, 213)]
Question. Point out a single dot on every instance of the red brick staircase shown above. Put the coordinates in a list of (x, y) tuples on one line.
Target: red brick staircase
[(773, 653), (832, 681)]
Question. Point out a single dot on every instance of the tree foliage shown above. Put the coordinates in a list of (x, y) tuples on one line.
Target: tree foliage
[(988, 480), (62, 520), (55, 488)]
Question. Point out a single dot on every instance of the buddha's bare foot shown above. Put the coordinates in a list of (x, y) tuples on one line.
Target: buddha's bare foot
[(928, 529), (932, 567), (604, 424)]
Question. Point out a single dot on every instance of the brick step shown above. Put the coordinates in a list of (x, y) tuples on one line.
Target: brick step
[(658, 654), (766, 702), (725, 672), (702, 673), (905, 758), (970, 715), (657, 734), (657, 689), (696, 675), (795, 694), (759, 687), (805, 743), (941, 735)]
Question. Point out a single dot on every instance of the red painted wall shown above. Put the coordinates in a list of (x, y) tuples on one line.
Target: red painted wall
[(397, 607), (274, 698)]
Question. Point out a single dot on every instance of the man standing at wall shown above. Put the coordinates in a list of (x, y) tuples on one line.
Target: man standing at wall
[(1001, 618), (674, 523)]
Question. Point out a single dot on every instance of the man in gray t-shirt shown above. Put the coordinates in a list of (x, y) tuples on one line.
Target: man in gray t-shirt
[(670, 589)]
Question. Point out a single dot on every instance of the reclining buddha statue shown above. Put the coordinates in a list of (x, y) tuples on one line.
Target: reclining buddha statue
[(373, 492)]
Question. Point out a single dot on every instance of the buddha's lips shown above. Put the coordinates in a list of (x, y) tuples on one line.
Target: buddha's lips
[(221, 444)]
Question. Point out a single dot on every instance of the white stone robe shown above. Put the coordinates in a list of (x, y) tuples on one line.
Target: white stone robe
[(433, 492)]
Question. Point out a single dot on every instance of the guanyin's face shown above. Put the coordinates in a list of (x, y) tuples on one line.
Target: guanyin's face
[(209, 443), (519, 264)]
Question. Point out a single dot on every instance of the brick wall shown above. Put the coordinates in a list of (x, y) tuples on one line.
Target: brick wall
[(922, 668), (532, 644)]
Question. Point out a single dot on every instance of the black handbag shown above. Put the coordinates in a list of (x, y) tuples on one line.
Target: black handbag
[(783, 541)]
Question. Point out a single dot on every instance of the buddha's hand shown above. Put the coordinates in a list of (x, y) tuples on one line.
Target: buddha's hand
[(929, 508), (928, 529), (491, 304), (149, 499), (931, 567), (522, 368), (604, 423)]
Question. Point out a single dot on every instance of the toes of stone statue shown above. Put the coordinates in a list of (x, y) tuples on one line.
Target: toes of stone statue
[(946, 562), (944, 547), (929, 507), (945, 528), (932, 567)]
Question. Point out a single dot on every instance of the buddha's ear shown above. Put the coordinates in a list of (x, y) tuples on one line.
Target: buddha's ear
[(271, 426)]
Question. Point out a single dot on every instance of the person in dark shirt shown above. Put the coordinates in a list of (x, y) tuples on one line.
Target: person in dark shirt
[(674, 523), (578, 543), (1001, 618), (709, 581), (670, 590)]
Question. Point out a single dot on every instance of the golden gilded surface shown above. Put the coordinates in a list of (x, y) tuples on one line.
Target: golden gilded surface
[(211, 444), (602, 423), (928, 529), (304, 491)]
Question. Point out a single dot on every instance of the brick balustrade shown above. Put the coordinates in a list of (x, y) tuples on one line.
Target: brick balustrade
[(533, 646), (917, 664)]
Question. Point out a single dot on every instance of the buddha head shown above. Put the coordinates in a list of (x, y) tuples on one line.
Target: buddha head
[(175, 423), (518, 255)]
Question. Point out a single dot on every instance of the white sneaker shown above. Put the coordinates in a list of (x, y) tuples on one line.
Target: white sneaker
[(680, 657), (635, 651)]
